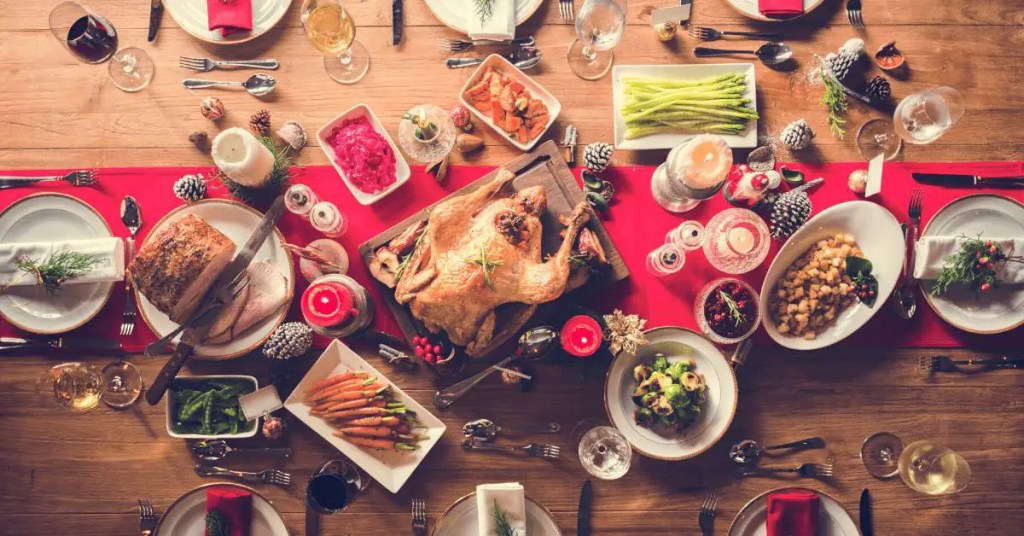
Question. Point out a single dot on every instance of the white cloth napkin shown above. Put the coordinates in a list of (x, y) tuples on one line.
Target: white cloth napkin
[(931, 252), (500, 26), (110, 252), (511, 500)]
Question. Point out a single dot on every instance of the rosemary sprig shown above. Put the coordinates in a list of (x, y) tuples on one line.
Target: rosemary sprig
[(486, 265), (216, 523), (58, 268), (834, 99), (737, 316), (502, 526), (975, 265), (484, 9), (405, 260)]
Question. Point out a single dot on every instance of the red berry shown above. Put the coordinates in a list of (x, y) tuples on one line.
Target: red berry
[(985, 286), (871, 293), (991, 265), (988, 243), (419, 351), (437, 349), (992, 249), (977, 253)]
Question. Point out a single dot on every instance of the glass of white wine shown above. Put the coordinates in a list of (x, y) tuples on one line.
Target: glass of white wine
[(332, 31), (932, 469), (599, 28), (77, 387)]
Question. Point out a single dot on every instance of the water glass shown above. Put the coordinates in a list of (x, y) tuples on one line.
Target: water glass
[(599, 28), (924, 117), (603, 451), (932, 469)]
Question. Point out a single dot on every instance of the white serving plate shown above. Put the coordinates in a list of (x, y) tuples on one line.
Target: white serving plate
[(187, 514), (748, 8), (833, 518), (390, 468), (237, 221), (697, 71), (402, 171), (191, 17), (39, 218), (170, 411), (455, 13), (536, 90), (1002, 308), (878, 235), (715, 418), (461, 519)]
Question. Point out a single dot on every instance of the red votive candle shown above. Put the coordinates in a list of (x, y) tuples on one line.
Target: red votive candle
[(581, 336), (327, 304)]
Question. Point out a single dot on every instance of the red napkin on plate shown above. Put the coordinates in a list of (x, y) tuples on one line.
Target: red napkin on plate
[(235, 504), (793, 513), (231, 16), (777, 9)]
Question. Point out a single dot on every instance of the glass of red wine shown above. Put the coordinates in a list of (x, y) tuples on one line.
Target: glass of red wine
[(335, 486), (93, 39)]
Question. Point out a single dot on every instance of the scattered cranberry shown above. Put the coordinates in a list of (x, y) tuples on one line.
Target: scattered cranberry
[(985, 287), (419, 350)]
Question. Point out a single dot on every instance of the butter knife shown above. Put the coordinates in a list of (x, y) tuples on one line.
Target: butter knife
[(975, 181), (396, 22), (70, 344), (583, 515), (867, 527), (156, 8)]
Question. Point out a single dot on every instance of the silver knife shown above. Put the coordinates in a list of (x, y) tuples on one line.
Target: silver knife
[(867, 527), (219, 295), (583, 515), (396, 22), (71, 344), (156, 8), (976, 181)]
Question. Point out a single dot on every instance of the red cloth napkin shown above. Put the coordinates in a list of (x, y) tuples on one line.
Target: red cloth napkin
[(778, 9), (793, 513), (235, 504), (231, 16)]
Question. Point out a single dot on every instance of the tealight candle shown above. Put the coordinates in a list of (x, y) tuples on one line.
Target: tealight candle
[(741, 239), (581, 336), (242, 158)]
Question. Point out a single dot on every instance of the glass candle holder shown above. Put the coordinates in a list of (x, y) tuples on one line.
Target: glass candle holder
[(737, 241), (675, 184), (667, 259), (727, 310), (689, 236), (323, 306), (327, 219), (427, 133), (299, 200)]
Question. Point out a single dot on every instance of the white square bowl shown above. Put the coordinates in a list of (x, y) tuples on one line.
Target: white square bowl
[(171, 408), (390, 468), (536, 90), (402, 171), (745, 140)]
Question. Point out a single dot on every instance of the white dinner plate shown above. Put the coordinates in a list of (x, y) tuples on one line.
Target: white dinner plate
[(460, 519), (191, 17), (1002, 308), (186, 516), (47, 217), (878, 235), (749, 8), (455, 13), (390, 468), (237, 222), (718, 411), (833, 518), (697, 71)]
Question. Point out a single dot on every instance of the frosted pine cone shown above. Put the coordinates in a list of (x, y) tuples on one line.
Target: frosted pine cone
[(597, 156), (289, 340), (190, 188), (797, 135)]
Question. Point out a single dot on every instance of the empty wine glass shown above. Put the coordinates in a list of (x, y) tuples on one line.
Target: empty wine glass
[(878, 136), (603, 451), (880, 454), (599, 28), (925, 116)]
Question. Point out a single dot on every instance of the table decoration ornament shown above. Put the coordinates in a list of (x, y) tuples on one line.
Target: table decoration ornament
[(243, 159), (212, 108), (736, 241), (190, 188), (259, 123), (335, 305), (694, 171), (291, 339), (293, 134), (597, 156), (625, 333), (889, 58), (797, 135), (200, 139), (791, 210)]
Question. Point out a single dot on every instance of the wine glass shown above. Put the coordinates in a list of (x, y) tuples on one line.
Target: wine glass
[(925, 116), (932, 469), (332, 31), (93, 39), (335, 486), (878, 136), (599, 27), (122, 384), (77, 387), (603, 451), (880, 454)]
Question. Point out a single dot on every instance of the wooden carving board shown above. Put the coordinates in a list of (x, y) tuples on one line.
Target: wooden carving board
[(563, 193)]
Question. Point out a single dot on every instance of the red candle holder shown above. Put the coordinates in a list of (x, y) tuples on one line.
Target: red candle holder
[(581, 336)]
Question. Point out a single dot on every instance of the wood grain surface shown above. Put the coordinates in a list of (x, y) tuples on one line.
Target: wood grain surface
[(80, 475)]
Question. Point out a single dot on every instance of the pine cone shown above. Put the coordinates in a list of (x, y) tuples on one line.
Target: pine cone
[(879, 90), (289, 340), (797, 135), (190, 188), (200, 139), (791, 210), (840, 64), (259, 123), (597, 156)]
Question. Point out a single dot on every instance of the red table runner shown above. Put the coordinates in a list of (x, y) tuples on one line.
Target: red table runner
[(635, 222)]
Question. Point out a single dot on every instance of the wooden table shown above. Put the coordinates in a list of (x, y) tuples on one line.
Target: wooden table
[(80, 475)]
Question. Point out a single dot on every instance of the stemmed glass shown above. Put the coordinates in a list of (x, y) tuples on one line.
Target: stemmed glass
[(878, 136), (599, 28), (332, 31), (924, 466), (79, 387), (925, 116), (93, 39), (603, 451), (335, 486)]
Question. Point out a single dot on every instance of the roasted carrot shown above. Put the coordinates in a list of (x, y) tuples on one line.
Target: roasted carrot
[(384, 444), (358, 384), (368, 431), (371, 421), (352, 404), (351, 395), (360, 412), (345, 376)]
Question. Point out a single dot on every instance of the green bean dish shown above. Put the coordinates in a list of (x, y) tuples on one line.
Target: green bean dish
[(671, 395), (209, 407)]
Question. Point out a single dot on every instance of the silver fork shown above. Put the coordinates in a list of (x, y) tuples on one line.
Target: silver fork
[(914, 212), (419, 517), (237, 286), (536, 450), (269, 476), (75, 178), (711, 34), (853, 12), (942, 363), (459, 45), (807, 470), (706, 518), (565, 8), (147, 518), (206, 64)]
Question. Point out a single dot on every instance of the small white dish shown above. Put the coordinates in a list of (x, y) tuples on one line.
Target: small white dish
[(696, 71), (716, 416), (191, 16), (455, 13), (187, 514), (461, 519), (833, 518), (390, 468), (878, 235), (496, 61), (402, 171), (170, 405)]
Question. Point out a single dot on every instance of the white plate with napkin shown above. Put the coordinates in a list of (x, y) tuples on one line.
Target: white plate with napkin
[(461, 15), (33, 223), (992, 217), (466, 517)]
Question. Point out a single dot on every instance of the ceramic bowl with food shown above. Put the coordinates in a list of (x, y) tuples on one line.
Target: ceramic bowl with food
[(178, 391), (727, 310), (363, 192)]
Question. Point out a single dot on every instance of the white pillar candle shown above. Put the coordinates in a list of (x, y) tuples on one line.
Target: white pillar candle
[(242, 157)]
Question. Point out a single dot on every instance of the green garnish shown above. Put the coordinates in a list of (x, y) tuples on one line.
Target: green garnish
[(405, 260), (974, 265), (486, 265), (58, 268), (835, 101), (484, 9), (502, 527), (216, 523), (860, 270), (737, 316)]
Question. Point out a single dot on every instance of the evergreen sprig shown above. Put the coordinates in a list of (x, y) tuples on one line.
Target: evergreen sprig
[(216, 523), (486, 265), (975, 264), (484, 10), (502, 525), (58, 268), (737, 316), (835, 101)]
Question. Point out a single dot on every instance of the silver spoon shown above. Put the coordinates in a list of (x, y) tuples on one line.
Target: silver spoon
[(216, 449), (748, 451), (522, 58), (904, 300), (487, 430), (257, 85), (768, 53)]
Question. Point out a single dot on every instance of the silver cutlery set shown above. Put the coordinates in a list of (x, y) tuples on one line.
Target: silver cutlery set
[(524, 54), (257, 85), (746, 454), (74, 178)]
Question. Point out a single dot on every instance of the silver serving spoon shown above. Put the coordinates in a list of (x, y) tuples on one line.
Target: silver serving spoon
[(748, 451), (257, 85), (216, 449), (768, 53), (522, 58), (903, 299), (487, 430)]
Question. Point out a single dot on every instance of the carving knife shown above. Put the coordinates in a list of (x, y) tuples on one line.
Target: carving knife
[(215, 299), (975, 181), (866, 523), (396, 22), (583, 515), (156, 8)]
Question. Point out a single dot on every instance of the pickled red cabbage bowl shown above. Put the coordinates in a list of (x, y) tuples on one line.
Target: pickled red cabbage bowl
[(363, 154)]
